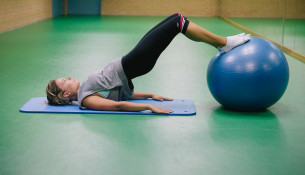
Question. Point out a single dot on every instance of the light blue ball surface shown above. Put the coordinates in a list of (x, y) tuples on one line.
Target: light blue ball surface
[(250, 77)]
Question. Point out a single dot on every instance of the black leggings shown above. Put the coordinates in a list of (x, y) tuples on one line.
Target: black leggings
[(143, 57)]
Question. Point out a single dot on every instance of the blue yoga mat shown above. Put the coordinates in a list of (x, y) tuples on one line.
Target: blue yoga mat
[(179, 106)]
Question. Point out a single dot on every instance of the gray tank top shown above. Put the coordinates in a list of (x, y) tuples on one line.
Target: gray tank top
[(112, 78)]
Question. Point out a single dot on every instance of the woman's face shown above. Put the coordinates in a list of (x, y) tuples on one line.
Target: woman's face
[(68, 85)]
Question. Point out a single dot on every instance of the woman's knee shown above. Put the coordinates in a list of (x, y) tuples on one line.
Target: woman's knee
[(182, 22), (174, 15)]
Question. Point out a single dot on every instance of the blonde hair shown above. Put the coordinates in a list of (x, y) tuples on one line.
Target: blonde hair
[(55, 95)]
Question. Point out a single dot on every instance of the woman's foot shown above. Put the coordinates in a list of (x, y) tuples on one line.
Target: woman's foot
[(234, 41)]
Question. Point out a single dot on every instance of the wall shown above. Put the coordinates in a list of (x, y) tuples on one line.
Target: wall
[(160, 7), (263, 8), (58, 8), (229, 8), (18, 13), (84, 7)]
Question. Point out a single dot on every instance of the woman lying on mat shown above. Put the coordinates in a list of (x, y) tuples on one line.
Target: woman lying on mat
[(110, 87)]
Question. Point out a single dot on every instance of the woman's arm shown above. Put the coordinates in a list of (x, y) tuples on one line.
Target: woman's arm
[(143, 95), (99, 103), (140, 95)]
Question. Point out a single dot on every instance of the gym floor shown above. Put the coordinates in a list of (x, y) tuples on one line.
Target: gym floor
[(214, 141)]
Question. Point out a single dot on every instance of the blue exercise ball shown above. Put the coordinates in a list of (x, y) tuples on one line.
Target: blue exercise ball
[(250, 77)]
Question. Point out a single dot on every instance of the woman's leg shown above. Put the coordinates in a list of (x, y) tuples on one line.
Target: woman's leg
[(197, 33), (162, 22), (143, 57)]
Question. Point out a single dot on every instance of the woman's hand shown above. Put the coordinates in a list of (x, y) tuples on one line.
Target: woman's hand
[(160, 98), (156, 109), (143, 95)]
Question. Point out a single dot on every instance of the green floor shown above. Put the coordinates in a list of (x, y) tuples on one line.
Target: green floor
[(214, 141)]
